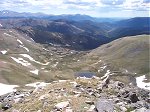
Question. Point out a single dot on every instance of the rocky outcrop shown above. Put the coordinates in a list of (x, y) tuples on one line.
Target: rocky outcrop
[(82, 94), (104, 105)]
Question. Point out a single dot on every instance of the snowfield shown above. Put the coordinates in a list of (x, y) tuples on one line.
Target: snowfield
[(103, 67), (8, 35), (31, 59), (6, 88), (21, 61), (141, 84), (36, 72), (19, 41), (3, 51), (24, 48), (37, 84)]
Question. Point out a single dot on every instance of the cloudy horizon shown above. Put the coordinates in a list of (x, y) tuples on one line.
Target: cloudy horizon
[(95, 8)]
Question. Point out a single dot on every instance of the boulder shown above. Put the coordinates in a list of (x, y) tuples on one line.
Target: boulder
[(142, 110), (133, 97), (89, 102), (6, 106), (104, 105), (91, 109), (45, 96), (62, 105)]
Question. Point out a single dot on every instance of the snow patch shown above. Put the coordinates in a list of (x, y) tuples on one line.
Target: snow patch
[(1, 25), (3, 51), (141, 84), (37, 84), (21, 61), (6, 88), (10, 31), (36, 72), (24, 48), (77, 28), (8, 34), (27, 56), (102, 68), (46, 71), (97, 62), (31, 59), (19, 41), (106, 74)]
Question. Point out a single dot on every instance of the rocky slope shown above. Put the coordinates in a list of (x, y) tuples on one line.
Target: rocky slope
[(79, 95)]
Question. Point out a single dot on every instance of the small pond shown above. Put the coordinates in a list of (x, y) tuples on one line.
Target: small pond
[(85, 74)]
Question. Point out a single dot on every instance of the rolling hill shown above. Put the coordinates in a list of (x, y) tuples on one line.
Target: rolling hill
[(23, 61)]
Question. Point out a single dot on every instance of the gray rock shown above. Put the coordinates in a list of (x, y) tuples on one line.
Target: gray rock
[(89, 102), (133, 97), (142, 110), (124, 109), (62, 105), (6, 106), (91, 109), (119, 85), (104, 105)]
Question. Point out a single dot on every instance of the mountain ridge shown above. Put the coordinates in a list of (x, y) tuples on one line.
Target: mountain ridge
[(76, 35)]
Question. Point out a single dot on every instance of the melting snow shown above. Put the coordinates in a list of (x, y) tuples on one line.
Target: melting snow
[(103, 67), (36, 72), (21, 61), (32, 39), (6, 88), (107, 74), (4, 52), (141, 84), (19, 41), (8, 34), (27, 56), (24, 48), (37, 84), (97, 62), (77, 28), (1, 25), (10, 31), (31, 59)]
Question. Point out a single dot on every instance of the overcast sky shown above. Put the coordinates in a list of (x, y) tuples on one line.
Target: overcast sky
[(96, 8)]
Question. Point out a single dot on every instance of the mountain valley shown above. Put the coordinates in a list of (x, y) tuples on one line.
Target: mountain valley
[(66, 59)]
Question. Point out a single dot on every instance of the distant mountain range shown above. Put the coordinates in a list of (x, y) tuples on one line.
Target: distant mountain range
[(74, 17), (78, 35)]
